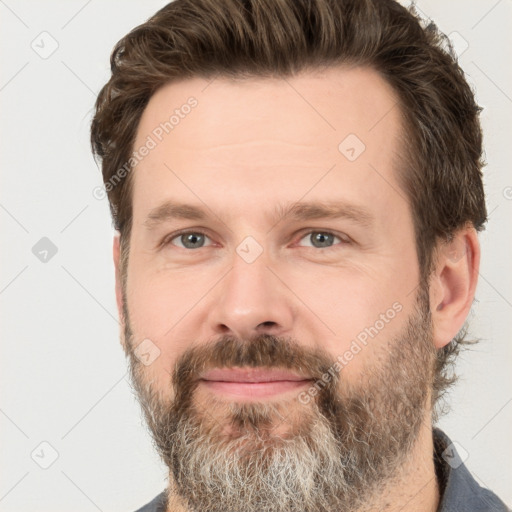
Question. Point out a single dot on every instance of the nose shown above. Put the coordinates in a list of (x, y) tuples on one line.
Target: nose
[(250, 300)]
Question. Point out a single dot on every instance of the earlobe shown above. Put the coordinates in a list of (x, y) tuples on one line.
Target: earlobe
[(453, 285)]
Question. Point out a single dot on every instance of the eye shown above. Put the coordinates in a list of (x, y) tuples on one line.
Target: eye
[(188, 240), (323, 239)]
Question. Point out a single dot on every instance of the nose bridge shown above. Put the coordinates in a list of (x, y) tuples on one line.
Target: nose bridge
[(250, 295)]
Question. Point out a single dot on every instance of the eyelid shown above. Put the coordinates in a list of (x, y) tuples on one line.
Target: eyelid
[(345, 239), (167, 240)]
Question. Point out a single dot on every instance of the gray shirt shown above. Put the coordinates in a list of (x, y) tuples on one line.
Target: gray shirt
[(459, 491)]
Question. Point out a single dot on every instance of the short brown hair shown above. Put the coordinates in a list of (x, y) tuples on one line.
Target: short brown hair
[(441, 134)]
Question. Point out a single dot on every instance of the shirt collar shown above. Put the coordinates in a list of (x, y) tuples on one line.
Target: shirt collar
[(457, 487)]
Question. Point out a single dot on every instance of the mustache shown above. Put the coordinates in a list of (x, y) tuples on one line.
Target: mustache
[(261, 351)]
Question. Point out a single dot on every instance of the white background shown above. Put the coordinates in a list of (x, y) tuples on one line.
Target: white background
[(63, 374)]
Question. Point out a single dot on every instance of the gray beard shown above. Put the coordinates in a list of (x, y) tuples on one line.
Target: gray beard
[(336, 453)]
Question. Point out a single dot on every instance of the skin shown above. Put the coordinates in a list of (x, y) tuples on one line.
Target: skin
[(245, 148)]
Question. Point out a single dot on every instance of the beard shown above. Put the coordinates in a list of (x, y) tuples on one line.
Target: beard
[(335, 451)]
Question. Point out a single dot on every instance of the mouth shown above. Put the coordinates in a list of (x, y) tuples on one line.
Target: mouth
[(251, 383)]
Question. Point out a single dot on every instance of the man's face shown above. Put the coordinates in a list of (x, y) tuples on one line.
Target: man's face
[(332, 300)]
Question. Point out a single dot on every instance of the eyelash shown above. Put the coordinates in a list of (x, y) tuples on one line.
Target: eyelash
[(167, 240)]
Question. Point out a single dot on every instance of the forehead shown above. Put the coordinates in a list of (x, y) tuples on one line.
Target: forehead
[(259, 138)]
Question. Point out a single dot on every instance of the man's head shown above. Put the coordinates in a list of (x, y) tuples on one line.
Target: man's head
[(297, 186)]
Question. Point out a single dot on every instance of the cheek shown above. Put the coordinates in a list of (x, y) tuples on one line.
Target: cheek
[(345, 299), (150, 308), (159, 300), (163, 307), (357, 313)]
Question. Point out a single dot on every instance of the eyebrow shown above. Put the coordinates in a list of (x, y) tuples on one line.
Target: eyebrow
[(299, 211)]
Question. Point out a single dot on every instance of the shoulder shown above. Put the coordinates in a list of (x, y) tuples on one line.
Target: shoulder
[(157, 504), (459, 489)]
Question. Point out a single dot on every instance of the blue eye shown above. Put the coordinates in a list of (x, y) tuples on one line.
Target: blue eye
[(322, 239), (189, 240)]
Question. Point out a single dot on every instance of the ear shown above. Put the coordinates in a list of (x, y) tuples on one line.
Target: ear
[(116, 249), (453, 284)]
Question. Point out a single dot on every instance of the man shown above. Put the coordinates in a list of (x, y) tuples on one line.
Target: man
[(297, 189)]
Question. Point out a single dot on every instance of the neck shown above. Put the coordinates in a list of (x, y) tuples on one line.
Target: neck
[(415, 489)]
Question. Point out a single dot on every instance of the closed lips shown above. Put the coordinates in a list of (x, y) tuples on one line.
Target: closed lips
[(251, 375)]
